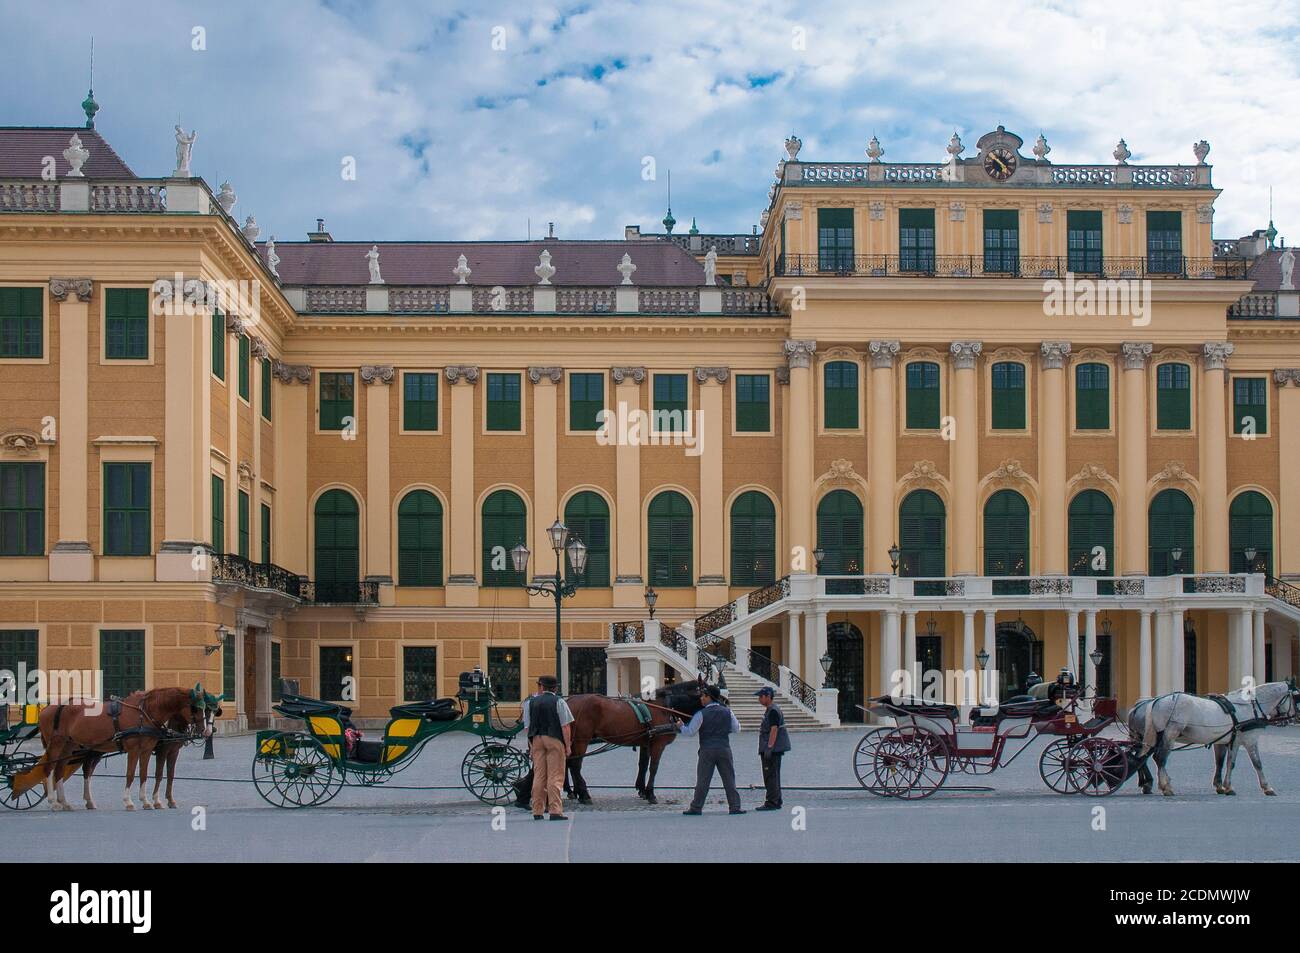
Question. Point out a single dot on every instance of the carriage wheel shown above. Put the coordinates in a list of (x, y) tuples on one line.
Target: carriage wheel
[(304, 777), (491, 770), (1054, 766), (1098, 766), (10, 767), (911, 763), (864, 760)]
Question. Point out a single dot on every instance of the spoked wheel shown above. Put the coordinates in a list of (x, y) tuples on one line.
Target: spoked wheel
[(1098, 766), (864, 760), (11, 767), (911, 763), (298, 772), (1054, 766), (491, 770)]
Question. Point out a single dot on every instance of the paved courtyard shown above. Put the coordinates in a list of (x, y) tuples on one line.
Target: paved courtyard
[(1019, 820)]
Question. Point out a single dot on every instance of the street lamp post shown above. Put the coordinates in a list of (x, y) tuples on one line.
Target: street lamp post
[(560, 587)]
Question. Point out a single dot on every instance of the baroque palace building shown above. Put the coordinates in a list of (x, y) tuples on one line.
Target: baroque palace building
[(885, 431)]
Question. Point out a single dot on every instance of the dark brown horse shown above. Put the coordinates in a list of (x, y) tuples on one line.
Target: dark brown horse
[(168, 751), (614, 721)]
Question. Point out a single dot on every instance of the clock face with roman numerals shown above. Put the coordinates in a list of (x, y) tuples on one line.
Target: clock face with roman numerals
[(1000, 163)]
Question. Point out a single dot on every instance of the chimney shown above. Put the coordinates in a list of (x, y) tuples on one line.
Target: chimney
[(631, 232), (320, 235), (550, 231)]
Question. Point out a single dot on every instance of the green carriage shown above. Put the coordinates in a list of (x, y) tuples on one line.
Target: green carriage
[(309, 767), (14, 761)]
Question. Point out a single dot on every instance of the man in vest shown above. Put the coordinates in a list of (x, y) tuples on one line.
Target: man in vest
[(714, 723), (773, 742), (549, 725)]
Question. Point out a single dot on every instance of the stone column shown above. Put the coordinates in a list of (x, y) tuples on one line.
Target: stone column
[(882, 457), (711, 589), (968, 664), (462, 580), (1214, 456), (1281, 654), (1259, 670), (1144, 654), (546, 503), (1236, 634), (1071, 644), (1286, 430), (1133, 429), (888, 651), (965, 458), (794, 656), (1052, 428), (379, 511), (909, 653), (817, 647), (1177, 651), (262, 678), (293, 424), (799, 451), (1090, 646), (629, 581), (1245, 646), (234, 330), (257, 353), (70, 557), (990, 686)]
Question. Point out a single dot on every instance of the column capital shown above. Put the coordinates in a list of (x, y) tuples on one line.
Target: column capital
[(291, 373), (234, 324), (257, 347), (1286, 375), (1217, 354), (1134, 354), (621, 374), (964, 354), (377, 373), (883, 353), (800, 353), (539, 375), (81, 287), (455, 373), (720, 374), (1055, 354)]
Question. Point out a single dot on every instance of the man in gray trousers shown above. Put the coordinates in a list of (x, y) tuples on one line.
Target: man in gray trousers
[(714, 723)]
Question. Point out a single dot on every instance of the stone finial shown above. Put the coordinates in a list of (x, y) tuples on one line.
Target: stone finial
[(462, 271), (955, 148), (1054, 354), (964, 354), (184, 149), (626, 269), (874, 151), (705, 374), (792, 147), (711, 267), (1041, 148), (800, 353), (272, 259), (762, 219), (226, 197), (544, 270), (251, 229), (1134, 354), (461, 372), (621, 374), (552, 374), (1217, 354), (1121, 153), (372, 261), (1201, 150), (76, 157), (377, 373), (883, 352)]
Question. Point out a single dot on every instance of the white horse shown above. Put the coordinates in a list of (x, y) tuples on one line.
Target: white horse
[(1160, 723)]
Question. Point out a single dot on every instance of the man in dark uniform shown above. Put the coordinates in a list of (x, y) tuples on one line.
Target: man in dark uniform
[(714, 723), (549, 725), (773, 742)]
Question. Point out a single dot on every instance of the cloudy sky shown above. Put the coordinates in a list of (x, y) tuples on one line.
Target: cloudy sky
[(465, 121)]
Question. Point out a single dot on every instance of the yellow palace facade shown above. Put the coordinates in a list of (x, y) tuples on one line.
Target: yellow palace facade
[(988, 415)]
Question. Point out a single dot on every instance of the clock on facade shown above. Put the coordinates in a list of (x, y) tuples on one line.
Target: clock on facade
[(1000, 163)]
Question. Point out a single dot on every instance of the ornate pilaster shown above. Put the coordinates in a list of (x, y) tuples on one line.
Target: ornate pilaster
[(60, 288), (719, 374), (1217, 354), (882, 454), (800, 353), (799, 452), (1134, 354), (964, 459), (1133, 425), (291, 373), (1055, 354), (458, 373), (635, 375), (964, 354), (1053, 427), (551, 375), (883, 353), (1213, 425), (377, 373)]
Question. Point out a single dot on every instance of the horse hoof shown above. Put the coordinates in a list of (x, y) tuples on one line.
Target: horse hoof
[(157, 805), (1230, 792), (145, 805), (1269, 792), (90, 806), (173, 805), (651, 799), (129, 806), (1146, 789)]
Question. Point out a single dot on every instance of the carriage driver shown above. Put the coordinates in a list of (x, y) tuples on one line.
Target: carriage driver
[(549, 725), (714, 723)]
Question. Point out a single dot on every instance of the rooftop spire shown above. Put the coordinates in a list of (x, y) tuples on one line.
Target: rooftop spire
[(669, 221), (88, 105)]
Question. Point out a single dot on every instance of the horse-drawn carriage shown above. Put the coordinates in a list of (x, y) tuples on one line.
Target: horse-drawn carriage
[(306, 768), (14, 761)]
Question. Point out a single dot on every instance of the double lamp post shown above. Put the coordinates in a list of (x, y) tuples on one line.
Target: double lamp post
[(560, 587)]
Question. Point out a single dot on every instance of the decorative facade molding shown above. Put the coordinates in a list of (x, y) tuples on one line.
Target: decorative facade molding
[(793, 211), (883, 352), (1045, 213), (1125, 213), (964, 354), (1205, 214), (800, 353), (377, 373), (1011, 469), (1134, 354), (1055, 354), (1217, 354), (1173, 472), (1286, 375), (257, 347), (552, 374), (783, 375), (455, 373), (876, 210), (956, 211), (620, 374), (245, 471), (234, 324), (719, 374), (291, 373), (81, 287), (1093, 476), (841, 473), (925, 475), (20, 442)]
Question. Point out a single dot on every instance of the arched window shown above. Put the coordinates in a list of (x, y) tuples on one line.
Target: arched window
[(1006, 534), (1250, 526), (1091, 525), (587, 516), (1092, 397), (338, 540), (753, 540), (921, 535), (505, 526), (419, 540), (840, 395), (839, 533), (670, 536), (1171, 524)]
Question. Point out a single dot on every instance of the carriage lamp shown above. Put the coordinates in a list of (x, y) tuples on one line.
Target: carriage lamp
[(577, 551), (982, 656), (1250, 552), (826, 661), (1105, 625), (930, 626), (559, 534), (519, 557), (894, 553), (819, 554), (223, 633), (651, 597), (1176, 554), (1096, 657)]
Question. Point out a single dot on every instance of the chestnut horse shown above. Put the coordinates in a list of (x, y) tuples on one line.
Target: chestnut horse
[(166, 753), (80, 734), (614, 721)]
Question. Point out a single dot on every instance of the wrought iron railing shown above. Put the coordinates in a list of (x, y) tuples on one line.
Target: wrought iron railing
[(802, 692), (763, 666), (674, 640), (1283, 590), (764, 597), (627, 633), (364, 593), (723, 615), (925, 265), (857, 585), (236, 570), (1216, 583)]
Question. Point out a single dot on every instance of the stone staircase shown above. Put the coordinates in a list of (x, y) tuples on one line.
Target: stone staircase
[(749, 711)]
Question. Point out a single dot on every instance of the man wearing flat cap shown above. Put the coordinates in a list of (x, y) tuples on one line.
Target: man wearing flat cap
[(773, 743)]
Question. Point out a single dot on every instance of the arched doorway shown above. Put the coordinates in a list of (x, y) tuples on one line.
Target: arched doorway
[(844, 644), (1020, 653)]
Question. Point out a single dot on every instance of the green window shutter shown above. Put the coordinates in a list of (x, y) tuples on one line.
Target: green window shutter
[(1091, 523), (1173, 397), (245, 367), (22, 509), (753, 403), (126, 323), (1250, 402), (1006, 535), (127, 509), (266, 533), (503, 402), (922, 536), (1165, 242), (420, 402), (266, 388), (504, 527), (1008, 396), (923, 395), (753, 540), (338, 542), (587, 516), (121, 658), (1171, 523), (586, 401), (19, 655), (670, 403), (1250, 525), (243, 524), (276, 687), (840, 534), (840, 395), (835, 239), (1092, 397), (228, 669), (419, 540), (1083, 241), (1001, 240), (336, 400), (916, 239), (219, 345), (671, 538), (22, 322), (218, 514), (419, 672)]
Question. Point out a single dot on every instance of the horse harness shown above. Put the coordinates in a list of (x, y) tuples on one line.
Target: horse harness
[(1260, 720), (114, 710)]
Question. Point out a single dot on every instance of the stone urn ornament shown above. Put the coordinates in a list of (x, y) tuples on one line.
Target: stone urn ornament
[(792, 147), (544, 269), (874, 152), (462, 271), (1121, 153), (626, 268), (1201, 150), (955, 148), (251, 229), (1041, 148), (76, 157), (226, 198)]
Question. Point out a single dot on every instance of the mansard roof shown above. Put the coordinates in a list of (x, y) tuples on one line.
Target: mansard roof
[(23, 150)]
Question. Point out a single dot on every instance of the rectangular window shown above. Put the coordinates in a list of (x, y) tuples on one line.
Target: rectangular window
[(277, 683), (219, 345), (127, 507), (504, 674), (840, 395), (121, 657), (922, 395), (218, 514), (503, 402), (18, 656), (22, 509), (243, 524), (245, 367), (1001, 241), (1173, 397), (336, 400), (126, 324), (835, 239), (586, 401), (1008, 396), (228, 668), (916, 239), (1164, 242), (670, 403), (266, 388), (266, 533), (419, 401), (22, 321), (1250, 405), (419, 672), (753, 403), (1083, 241), (1092, 397), (336, 673)]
